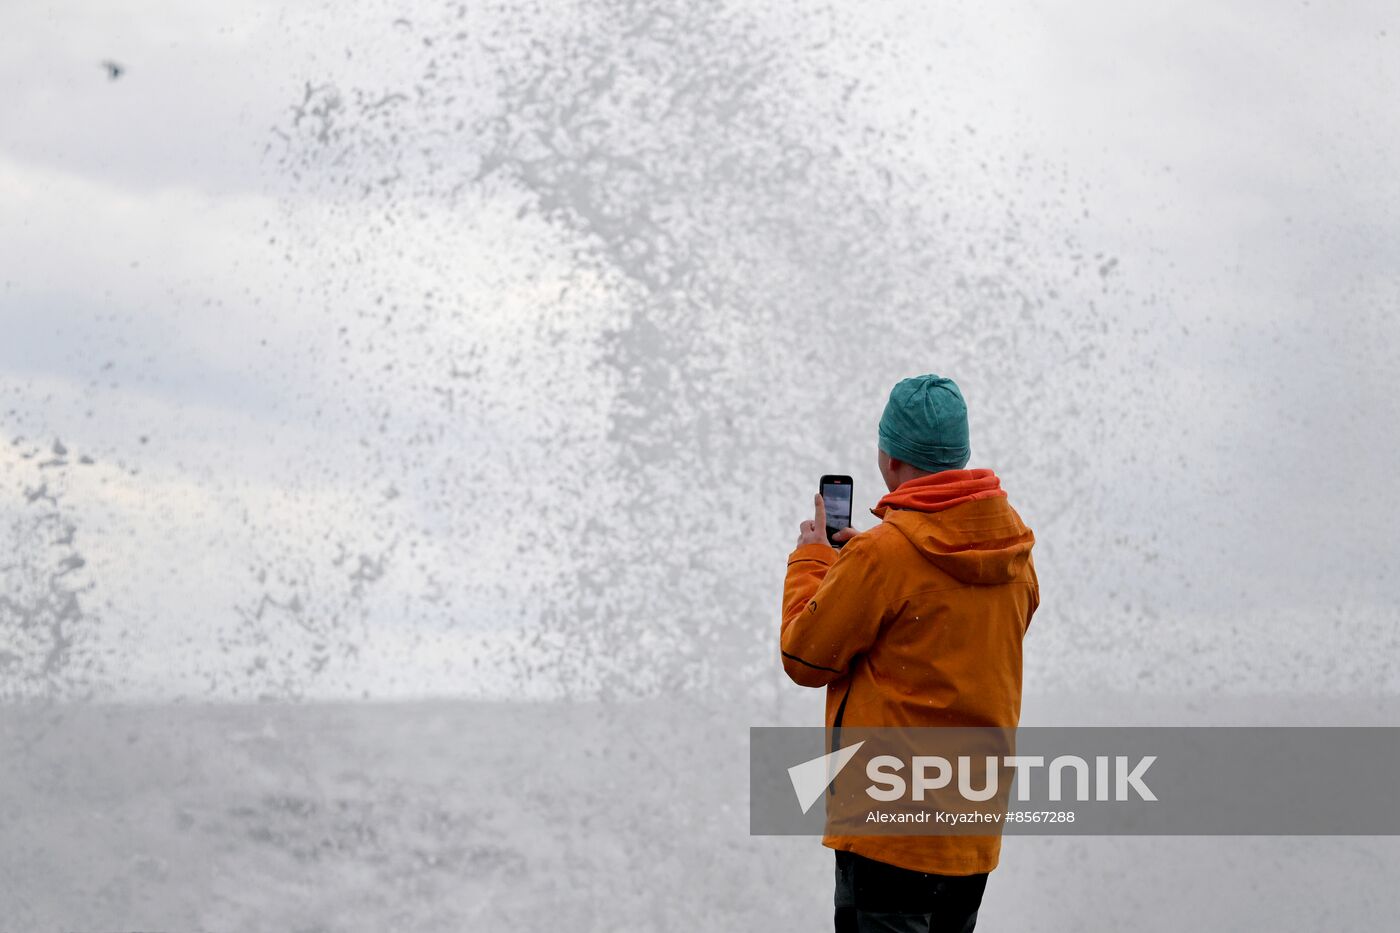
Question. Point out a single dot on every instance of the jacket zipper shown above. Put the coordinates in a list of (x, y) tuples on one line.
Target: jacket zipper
[(836, 730)]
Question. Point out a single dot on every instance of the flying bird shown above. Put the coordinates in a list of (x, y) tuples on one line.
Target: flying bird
[(114, 70)]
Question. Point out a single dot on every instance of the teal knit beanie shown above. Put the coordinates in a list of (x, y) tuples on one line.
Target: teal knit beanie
[(925, 424)]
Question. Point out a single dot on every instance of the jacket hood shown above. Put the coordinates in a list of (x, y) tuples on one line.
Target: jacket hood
[(962, 522)]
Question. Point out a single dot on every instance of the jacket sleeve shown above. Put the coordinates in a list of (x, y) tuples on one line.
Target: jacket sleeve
[(831, 612), (1035, 592)]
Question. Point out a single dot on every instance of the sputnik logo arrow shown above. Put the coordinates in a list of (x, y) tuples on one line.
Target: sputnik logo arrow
[(811, 778)]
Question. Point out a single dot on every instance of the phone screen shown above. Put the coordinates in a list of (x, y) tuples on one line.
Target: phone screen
[(836, 497)]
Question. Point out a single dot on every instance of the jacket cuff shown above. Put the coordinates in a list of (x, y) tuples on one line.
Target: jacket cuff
[(819, 552)]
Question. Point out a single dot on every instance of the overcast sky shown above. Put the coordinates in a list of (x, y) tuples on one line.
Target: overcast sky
[(393, 423)]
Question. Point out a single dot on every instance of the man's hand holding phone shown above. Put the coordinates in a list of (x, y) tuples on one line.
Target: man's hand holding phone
[(813, 531)]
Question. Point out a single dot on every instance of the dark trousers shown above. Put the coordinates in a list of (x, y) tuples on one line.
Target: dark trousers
[(872, 896)]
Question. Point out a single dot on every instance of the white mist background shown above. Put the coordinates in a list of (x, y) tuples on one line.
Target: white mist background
[(382, 413)]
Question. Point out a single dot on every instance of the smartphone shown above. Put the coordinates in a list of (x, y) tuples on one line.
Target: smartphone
[(836, 494)]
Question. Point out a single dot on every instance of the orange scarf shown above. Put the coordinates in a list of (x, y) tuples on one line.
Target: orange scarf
[(943, 490)]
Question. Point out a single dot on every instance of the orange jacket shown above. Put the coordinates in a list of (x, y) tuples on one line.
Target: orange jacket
[(918, 622)]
